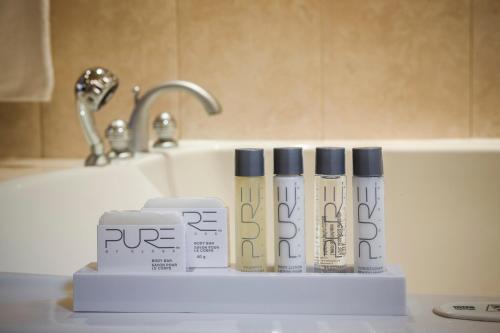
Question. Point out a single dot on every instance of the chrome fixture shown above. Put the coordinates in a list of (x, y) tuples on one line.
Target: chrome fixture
[(93, 89), (165, 127), (118, 136), (138, 123), (96, 86)]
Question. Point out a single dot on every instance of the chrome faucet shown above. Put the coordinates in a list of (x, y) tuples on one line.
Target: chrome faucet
[(93, 89), (96, 86), (138, 123)]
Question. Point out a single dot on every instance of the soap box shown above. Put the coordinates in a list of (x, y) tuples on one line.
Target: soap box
[(137, 241), (205, 220)]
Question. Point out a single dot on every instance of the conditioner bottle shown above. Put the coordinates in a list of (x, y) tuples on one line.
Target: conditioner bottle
[(368, 198), (289, 209)]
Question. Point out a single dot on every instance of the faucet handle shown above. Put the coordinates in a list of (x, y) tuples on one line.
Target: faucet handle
[(118, 136), (165, 127)]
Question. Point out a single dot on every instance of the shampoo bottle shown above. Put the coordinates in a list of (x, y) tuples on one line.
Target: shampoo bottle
[(368, 198), (330, 201), (289, 224), (250, 210)]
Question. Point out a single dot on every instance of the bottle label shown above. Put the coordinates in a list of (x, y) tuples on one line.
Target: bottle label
[(250, 225), (289, 223), (330, 238), (369, 241)]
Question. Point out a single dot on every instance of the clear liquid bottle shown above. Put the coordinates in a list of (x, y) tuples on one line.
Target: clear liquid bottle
[(330, 194), (368, 199), (289, 207), (250, 210)]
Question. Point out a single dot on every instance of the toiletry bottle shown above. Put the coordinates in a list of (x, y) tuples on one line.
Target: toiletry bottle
[(368, 198), (330, 201), (289, 207), (250, 210)]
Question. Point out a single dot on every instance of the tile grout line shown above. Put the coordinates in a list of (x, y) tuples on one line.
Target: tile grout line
[(471, 68), (322, 76)]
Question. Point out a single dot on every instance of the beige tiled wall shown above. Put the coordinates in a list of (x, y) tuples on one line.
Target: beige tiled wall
[(281, 69), (262, 59), (396, 69), (20, 130)]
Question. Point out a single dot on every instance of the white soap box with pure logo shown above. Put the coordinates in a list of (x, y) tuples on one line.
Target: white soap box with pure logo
[(205, 221), (141, 242)]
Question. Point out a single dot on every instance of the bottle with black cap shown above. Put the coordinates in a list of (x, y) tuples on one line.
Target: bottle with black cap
[(290, 256), (368, 198), (250, 210), (330, 200)]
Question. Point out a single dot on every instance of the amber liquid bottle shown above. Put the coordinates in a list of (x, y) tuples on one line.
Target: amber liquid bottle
[(250, 210)]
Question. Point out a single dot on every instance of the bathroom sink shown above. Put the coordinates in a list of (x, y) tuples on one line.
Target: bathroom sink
[(441, 206), (49, 220)]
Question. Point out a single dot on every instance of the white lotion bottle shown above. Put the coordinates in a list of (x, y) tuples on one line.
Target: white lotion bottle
[(330, 201), (289, 207), (368, 199)]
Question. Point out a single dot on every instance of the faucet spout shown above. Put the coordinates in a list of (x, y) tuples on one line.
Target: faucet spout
[(139, 119)]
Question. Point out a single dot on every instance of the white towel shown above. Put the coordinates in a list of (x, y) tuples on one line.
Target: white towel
[(25, 59)]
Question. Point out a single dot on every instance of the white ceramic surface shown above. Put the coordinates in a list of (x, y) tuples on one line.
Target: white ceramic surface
[(442, 207), (41, 303)]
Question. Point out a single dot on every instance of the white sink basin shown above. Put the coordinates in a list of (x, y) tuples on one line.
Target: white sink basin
[(442, 207)]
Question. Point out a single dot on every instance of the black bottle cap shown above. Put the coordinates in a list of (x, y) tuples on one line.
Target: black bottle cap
[(288, 161), (330, 161), (367, 162), (249, 162)]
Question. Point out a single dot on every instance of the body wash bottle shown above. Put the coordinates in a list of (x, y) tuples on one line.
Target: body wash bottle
[(289, 207), (250, 210), (330, 201), (368, 198)]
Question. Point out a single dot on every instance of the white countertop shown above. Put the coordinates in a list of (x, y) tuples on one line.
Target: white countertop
[(43, 303)]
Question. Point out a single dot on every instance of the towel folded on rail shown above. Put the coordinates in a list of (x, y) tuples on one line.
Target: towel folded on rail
[(25, 57)]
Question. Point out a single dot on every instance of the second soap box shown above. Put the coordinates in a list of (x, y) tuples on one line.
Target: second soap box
[(205, 220)]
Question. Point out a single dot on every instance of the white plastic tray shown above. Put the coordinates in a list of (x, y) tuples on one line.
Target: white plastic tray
[(224, 290)]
